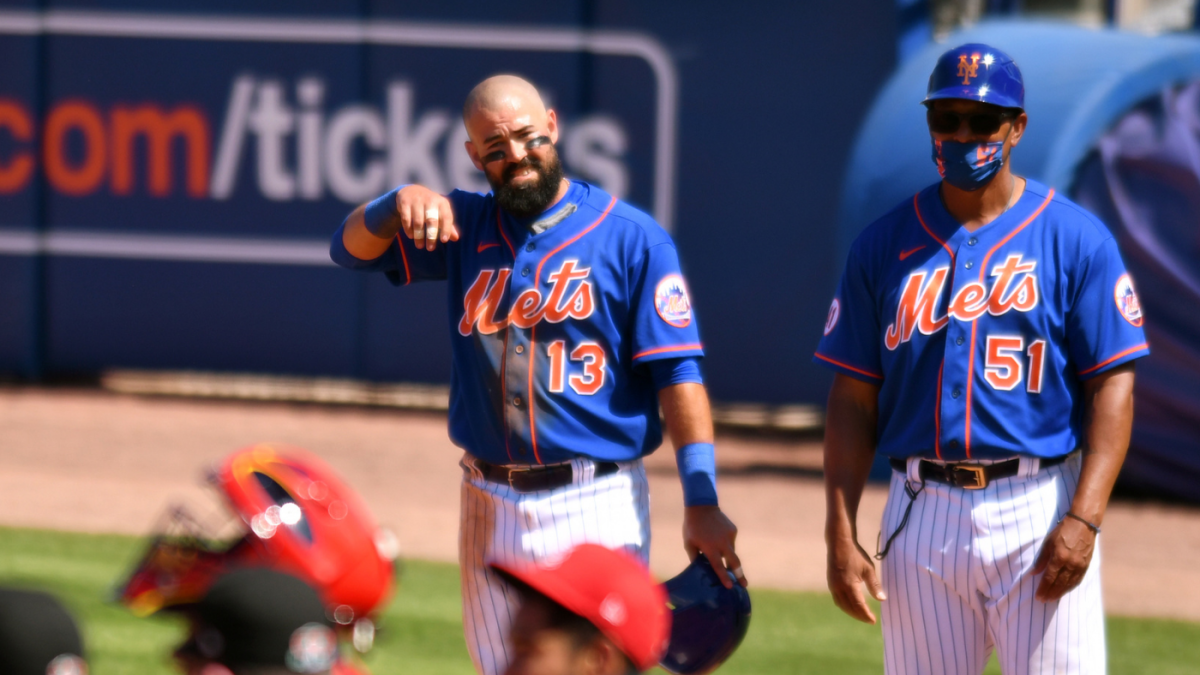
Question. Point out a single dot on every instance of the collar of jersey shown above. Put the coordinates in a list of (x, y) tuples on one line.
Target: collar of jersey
[(946, 227), (518, 228), (575, 194)]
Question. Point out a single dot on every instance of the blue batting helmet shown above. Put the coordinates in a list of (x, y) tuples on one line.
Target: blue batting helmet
[(977, 72), (708, 621)]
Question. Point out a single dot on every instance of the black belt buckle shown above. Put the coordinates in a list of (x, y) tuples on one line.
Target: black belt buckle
[(540, 478), (970, 476)]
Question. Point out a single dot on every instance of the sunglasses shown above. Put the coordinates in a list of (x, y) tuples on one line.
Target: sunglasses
[(981, 124)]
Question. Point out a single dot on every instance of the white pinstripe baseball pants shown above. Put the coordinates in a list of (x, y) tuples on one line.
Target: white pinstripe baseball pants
[(958, 580), (499, 523)]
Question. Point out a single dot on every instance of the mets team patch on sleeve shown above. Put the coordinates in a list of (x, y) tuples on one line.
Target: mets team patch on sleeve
[(1127, 300), (835, 310), (671, 301)]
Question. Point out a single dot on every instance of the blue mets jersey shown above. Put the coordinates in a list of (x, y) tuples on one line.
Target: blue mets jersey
[(979, 340), (550, 329)]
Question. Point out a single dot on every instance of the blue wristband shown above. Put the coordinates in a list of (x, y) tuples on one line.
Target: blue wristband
[(380, 212), (697, 464)]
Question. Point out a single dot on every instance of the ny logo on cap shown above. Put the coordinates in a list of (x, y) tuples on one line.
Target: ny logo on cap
[(968, 70)]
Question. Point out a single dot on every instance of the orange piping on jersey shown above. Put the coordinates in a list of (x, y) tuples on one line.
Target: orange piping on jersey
[(921, 219), (937, 409), (500, 226), (847, 366), (404, 257), (537, 280), (660, 350), (937, 414), (1109, 360), (970, 376), (504, 359), (982, 269)]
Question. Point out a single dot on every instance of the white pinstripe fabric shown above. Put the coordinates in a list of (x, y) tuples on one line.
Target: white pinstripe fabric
[(499, 523), (958, 583)]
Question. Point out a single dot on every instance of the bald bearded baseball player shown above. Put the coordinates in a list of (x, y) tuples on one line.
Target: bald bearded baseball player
[(570, 324)]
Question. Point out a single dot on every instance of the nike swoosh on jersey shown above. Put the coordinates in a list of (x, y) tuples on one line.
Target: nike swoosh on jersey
[(905, 254), (483, 247)]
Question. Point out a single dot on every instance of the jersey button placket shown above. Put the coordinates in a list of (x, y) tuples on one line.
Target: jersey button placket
[(952, 398), (517, 362)]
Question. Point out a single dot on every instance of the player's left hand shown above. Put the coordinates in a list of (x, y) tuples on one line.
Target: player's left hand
[(709, 531), (1065, 556)]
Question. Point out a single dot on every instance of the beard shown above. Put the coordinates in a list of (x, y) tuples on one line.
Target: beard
[(524, 201)]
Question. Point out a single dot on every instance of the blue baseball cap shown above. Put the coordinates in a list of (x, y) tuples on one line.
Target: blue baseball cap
[(977, 72)]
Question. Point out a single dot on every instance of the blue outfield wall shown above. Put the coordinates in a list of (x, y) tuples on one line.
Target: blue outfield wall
[(170, 172)]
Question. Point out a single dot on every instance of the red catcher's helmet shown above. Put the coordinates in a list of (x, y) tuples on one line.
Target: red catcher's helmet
[(296, 515)]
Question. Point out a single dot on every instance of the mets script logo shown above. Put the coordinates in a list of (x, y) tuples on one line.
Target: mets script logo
[(1127, 300), (671, 301), (1015, 288), (968, 70), (484, 296)]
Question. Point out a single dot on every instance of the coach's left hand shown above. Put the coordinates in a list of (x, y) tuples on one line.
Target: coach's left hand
[(709, 531), (1065, 556)]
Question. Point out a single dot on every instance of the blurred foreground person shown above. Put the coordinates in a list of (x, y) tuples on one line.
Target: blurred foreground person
[(595, 611), (38, 636), (263, 622)]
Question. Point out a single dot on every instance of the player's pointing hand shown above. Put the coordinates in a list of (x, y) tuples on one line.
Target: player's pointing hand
[(426, 217)]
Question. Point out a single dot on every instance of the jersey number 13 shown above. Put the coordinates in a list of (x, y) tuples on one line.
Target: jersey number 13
[(587, 382)]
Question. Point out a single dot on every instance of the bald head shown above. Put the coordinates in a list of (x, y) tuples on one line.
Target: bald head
[(503, 93)]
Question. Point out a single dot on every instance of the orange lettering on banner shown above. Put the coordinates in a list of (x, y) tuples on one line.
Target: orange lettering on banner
[(86, 177), (160, 129), (15, 175)]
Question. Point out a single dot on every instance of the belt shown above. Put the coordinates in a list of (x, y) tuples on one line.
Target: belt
[(534, 478), (969, 476)]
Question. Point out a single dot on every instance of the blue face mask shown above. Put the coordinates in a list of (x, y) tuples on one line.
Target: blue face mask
[(968, 166)]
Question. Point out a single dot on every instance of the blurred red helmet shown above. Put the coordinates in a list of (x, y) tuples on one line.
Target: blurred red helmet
[(294, 514)]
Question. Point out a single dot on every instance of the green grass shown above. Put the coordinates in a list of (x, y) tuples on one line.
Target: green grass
[(421, 634)]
